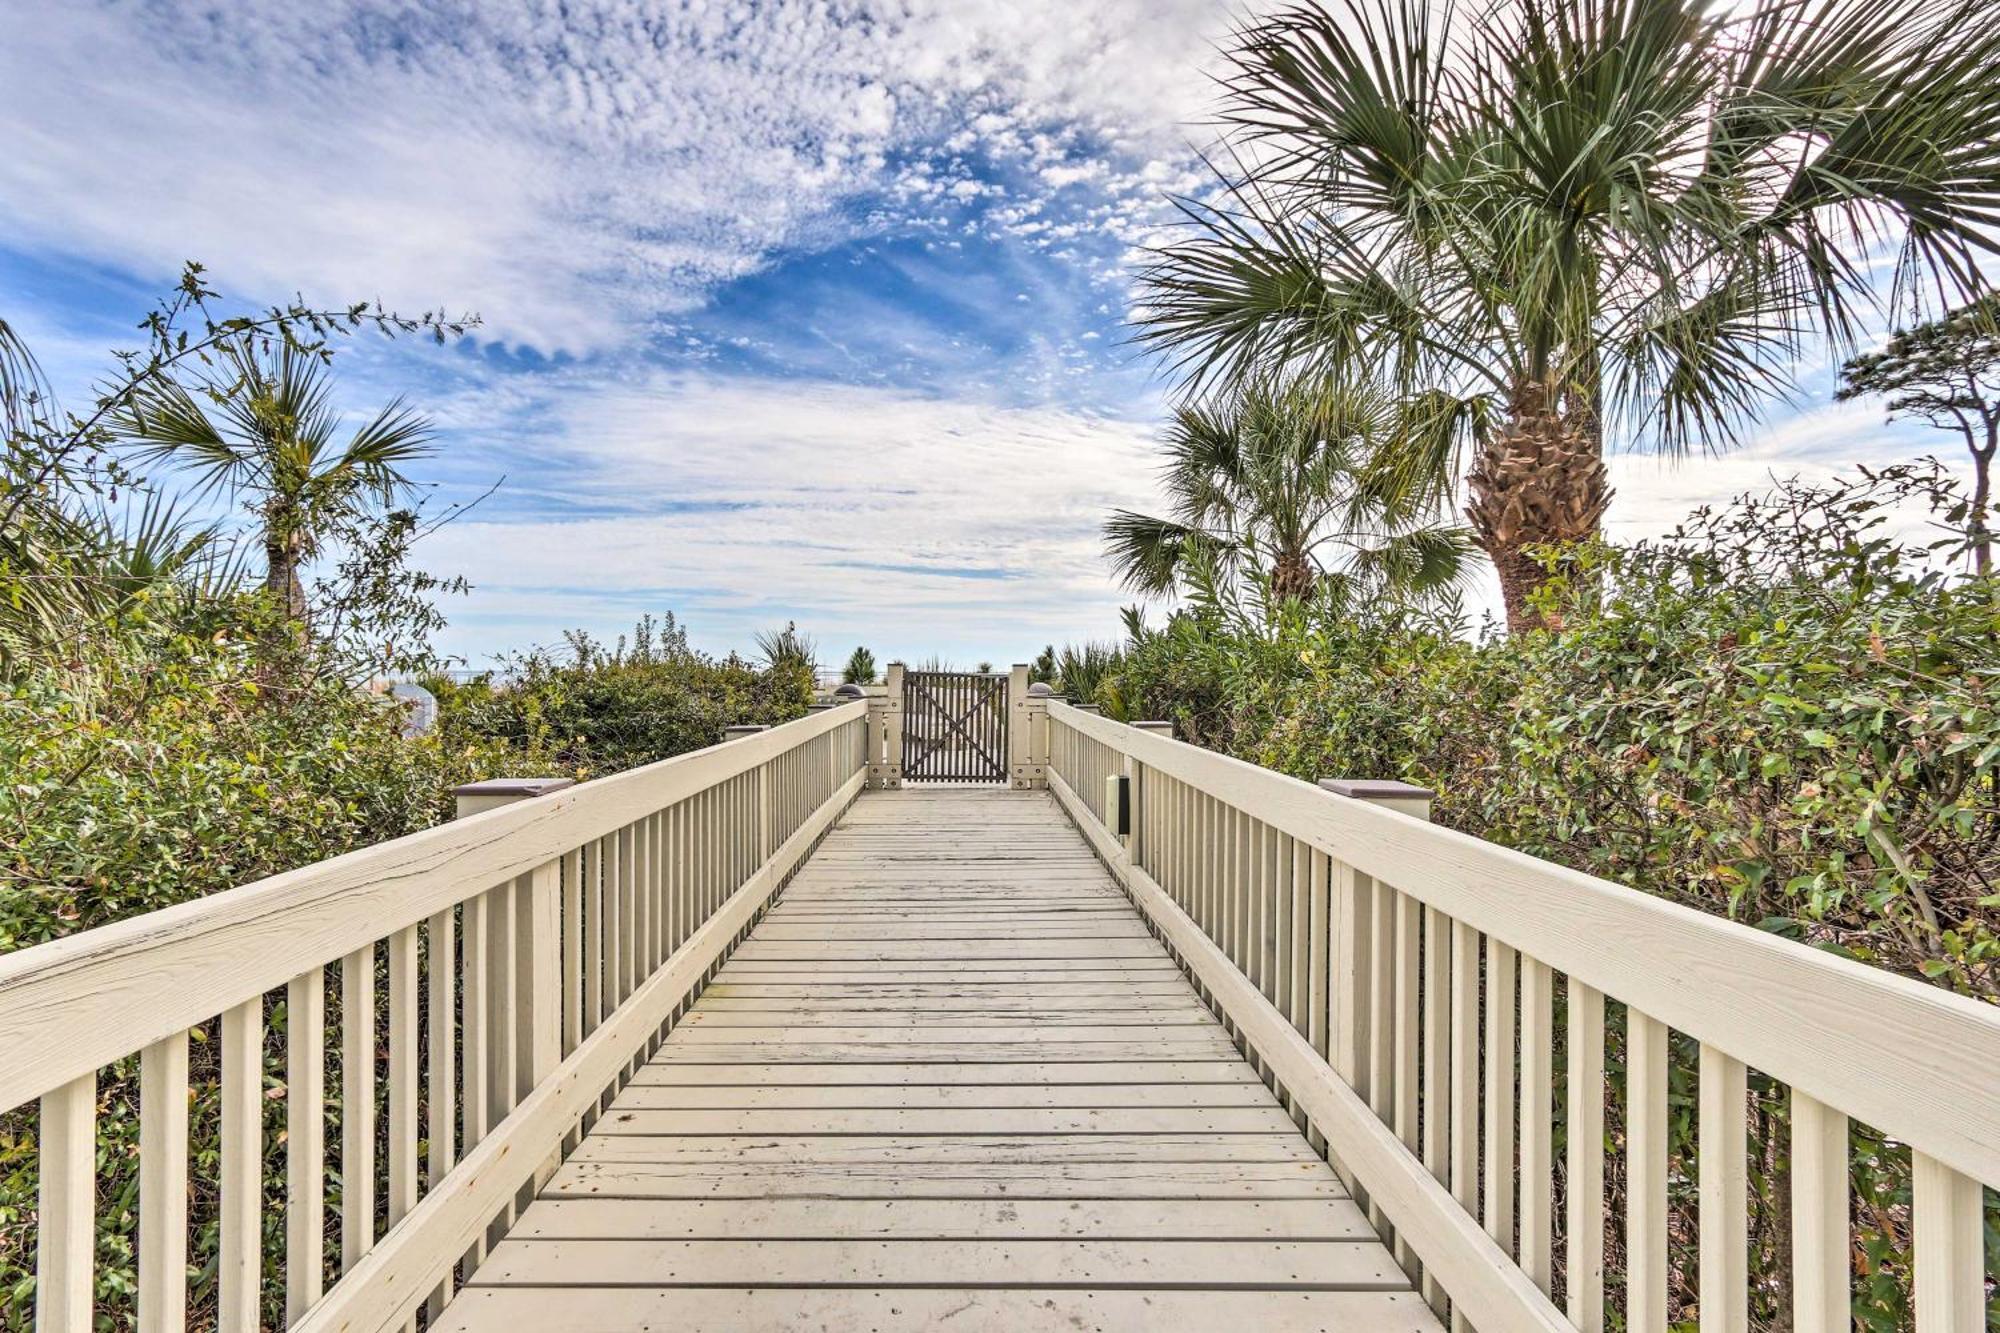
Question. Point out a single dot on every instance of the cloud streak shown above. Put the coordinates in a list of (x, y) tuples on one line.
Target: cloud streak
[(912, 523), (574, 171)]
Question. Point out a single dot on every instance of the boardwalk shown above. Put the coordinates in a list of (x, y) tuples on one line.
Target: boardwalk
[(950, 1081)]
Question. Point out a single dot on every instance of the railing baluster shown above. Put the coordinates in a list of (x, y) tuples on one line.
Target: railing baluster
[(1645, 1173), (1407, 917), (1723, 1165), (642, 902), (1948, 1234), (572, 950), (477, 1034), (403, 1072), (241, 1269), (442, 1126), (163, 1159), (1502, 968), (1584, 1176), (1464, 1077), (1822, 1295), (66, 1208), (357, 1105), (1437, 1063), (1380, 980), (503, 1000), (1537, 1146), (540, 990), (593, 936), (305, 1152)]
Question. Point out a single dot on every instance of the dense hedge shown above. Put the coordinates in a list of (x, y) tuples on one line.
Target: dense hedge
[(1783, 714), (599, 711)]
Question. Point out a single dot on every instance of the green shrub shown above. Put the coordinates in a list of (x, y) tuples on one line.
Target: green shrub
[(606, 709)]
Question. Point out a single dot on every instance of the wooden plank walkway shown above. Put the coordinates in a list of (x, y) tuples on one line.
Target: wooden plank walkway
[(950, 1081)]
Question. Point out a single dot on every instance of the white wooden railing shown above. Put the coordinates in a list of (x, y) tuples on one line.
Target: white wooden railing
[(1398, 983), (529, 958)]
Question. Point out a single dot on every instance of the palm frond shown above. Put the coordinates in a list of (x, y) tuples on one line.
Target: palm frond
[(1147, 553)]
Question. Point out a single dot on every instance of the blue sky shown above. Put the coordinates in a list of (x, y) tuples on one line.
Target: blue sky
[(790, 310)]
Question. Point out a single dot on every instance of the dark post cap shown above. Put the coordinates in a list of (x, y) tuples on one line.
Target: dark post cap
[(849, 690), (1040, 690)]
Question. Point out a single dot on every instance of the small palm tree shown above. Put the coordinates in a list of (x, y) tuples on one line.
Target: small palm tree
[(1582, 217), (788, 649), (263, 428), (860, 668), (1282, 479)]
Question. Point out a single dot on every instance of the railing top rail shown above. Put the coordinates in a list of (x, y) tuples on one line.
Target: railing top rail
[(1917, 1062), (75, 1004)]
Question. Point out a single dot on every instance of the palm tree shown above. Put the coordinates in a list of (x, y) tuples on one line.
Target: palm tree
[(1581, 217), (1281, 478), (268, 432), (860, 668)]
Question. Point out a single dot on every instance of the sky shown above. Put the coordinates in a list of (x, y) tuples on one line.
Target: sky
[(805, 312)]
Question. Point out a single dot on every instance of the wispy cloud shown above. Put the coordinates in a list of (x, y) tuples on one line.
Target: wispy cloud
[(574, 171), (912, 523)]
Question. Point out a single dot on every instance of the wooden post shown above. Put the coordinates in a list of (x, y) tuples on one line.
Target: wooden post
[(1030, 721), (476, 798), (1018, 726), (892, 729)]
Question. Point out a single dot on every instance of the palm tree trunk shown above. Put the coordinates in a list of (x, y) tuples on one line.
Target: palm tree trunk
[(281, 575), (1540, 481), (1292, 577)]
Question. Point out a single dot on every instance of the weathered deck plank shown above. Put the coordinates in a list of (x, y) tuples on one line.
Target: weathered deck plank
[(950, 1080)]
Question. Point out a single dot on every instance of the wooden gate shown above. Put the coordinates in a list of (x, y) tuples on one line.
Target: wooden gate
[(954, 726)]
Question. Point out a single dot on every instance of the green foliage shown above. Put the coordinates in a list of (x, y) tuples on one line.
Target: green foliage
[(1783, 713), (1084, 672), (860, 668), (605, 710)]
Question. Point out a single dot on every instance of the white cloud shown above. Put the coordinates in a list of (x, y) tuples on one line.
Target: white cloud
[(569, 170), (914, 524)]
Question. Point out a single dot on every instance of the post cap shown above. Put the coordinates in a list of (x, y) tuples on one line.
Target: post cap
[(741, 730), (1157, 728), (1377, 789), (518, 789), (1041, 689), (1090, 708), (849, 690)]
